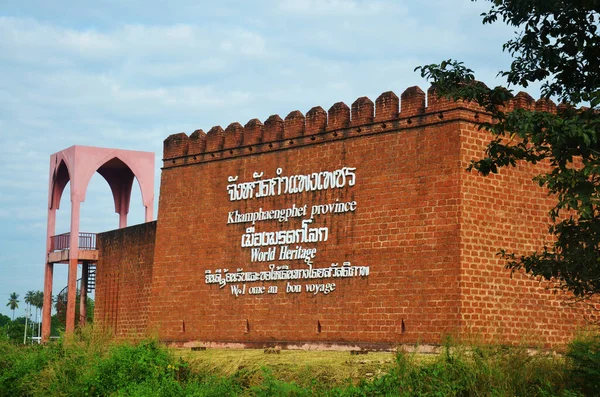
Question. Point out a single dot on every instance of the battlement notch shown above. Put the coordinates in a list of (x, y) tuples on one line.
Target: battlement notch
[(363, 114)]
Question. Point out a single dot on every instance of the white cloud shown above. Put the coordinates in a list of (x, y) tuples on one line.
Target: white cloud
[(336, 8), (128, 74), (27, 40)]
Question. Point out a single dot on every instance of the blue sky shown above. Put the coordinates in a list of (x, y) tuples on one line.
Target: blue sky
[(127, 74)]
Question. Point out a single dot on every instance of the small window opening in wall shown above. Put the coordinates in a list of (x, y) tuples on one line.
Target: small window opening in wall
[(182, 325), (403, 327), (247, 329), (318, 326)]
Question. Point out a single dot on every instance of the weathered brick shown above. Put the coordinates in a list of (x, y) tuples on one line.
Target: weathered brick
[(428, 230)]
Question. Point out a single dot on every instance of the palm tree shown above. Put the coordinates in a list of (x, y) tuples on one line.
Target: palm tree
[(13, 303), (29, 297), (38, 302)]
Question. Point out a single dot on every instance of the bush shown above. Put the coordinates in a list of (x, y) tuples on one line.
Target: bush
[(485, 370), (145, 364), (584, 359), (274, 387), (18, 365), (93, 364)]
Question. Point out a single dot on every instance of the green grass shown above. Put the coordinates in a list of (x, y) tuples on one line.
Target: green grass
[(331, 368), (91, 363)]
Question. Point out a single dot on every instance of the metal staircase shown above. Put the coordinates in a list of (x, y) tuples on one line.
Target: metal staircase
[(91, 285)]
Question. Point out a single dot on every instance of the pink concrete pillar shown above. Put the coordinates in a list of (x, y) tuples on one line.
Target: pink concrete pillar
[(124, 207), (71, 295), (83, 293), (48, 277), (73, 262), (149, 213), (47, 308), (122, 220)]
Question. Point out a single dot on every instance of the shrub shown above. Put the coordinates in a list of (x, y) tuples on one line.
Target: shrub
[(19, 365), (93, 364), (486, 370), (274, 387), (584, 359), (144, 364)]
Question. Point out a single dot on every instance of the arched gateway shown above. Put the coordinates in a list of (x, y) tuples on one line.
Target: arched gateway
[(77, 165)]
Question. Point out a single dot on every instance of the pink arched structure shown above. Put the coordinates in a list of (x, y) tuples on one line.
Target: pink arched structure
[(77, 165)]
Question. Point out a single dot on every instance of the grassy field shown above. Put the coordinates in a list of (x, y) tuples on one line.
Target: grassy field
[(91, 363), (334, 368)]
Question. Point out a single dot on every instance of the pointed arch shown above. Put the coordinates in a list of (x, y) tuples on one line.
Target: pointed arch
[(59, 180), (109, 163), (78, 164), (120, 178)]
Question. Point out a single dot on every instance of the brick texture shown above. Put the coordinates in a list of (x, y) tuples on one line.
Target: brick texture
[(510, 211), (124, 278), (428, 230)]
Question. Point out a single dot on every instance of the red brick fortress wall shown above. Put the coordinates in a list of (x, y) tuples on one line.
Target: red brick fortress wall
[(401, 241), (401, 187), (124, 278), (509, 211)]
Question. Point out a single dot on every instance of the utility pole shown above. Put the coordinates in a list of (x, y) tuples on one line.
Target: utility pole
[(25, 332)]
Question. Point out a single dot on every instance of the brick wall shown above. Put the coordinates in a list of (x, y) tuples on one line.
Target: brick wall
[(427, 230), (509, 211), (124, 277)]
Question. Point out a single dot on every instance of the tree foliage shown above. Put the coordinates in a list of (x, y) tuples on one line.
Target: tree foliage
[(13, 302), (29, 298), (38, 299), (556, 44)]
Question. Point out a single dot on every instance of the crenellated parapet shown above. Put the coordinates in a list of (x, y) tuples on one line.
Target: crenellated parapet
[(387, 114)]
